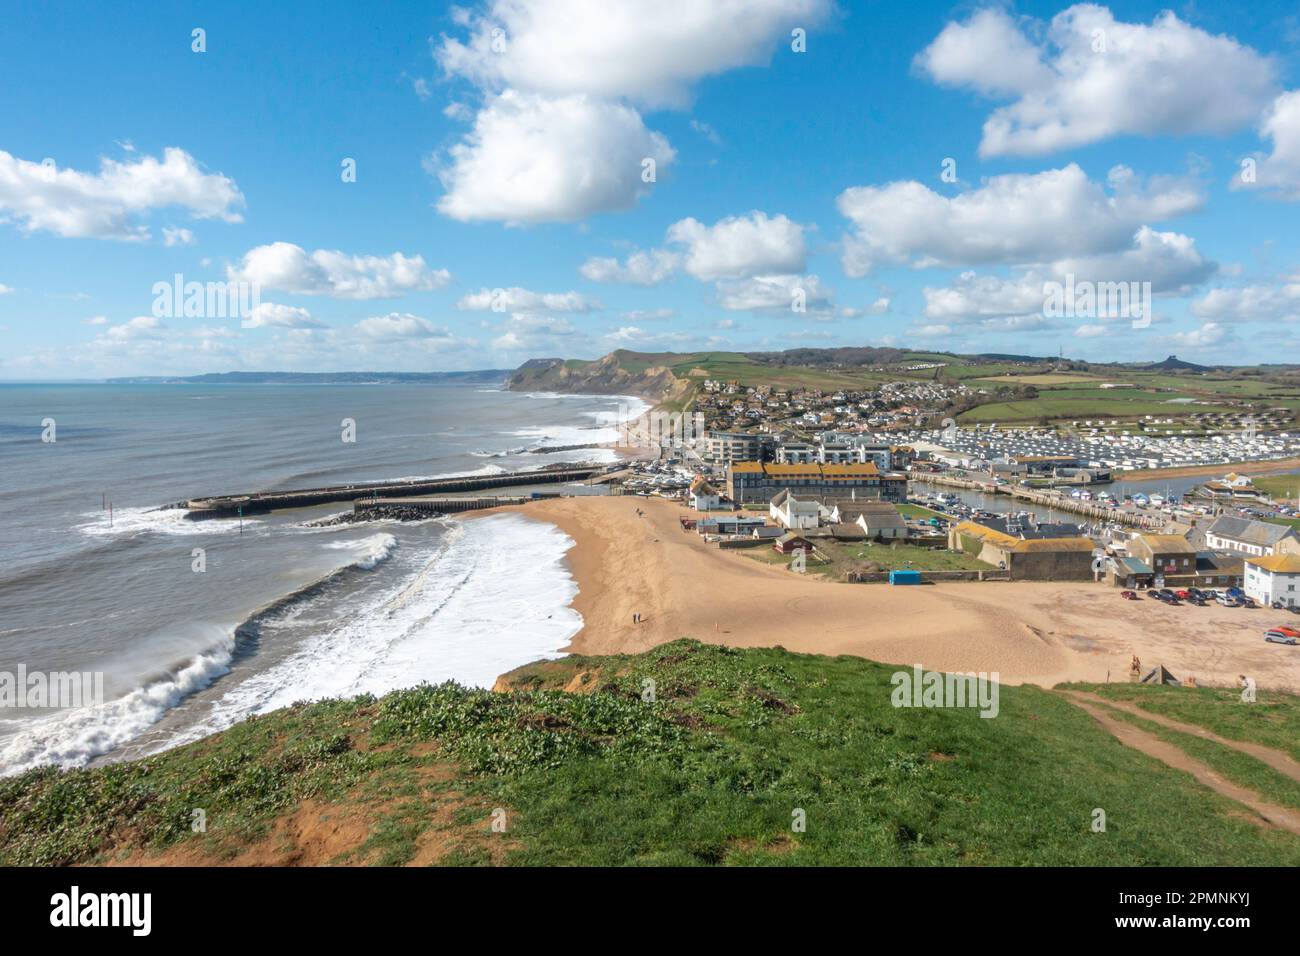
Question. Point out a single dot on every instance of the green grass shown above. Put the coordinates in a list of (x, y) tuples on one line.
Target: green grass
[(834, 559), (1278, 486), (919, 511), (712, 768), (1242, 769), (1272, 720)]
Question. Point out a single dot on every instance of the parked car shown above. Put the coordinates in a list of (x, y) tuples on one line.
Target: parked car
[(1183, 594), (1278, 637), (1286, 629), (1226, 600), (1129, 595)]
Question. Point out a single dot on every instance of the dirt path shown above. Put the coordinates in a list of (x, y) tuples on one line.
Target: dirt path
[(1267, 814), (1282, 762)]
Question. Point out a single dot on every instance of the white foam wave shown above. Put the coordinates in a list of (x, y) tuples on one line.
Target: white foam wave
[(494, 596), (72, 738), (137, 521), (369, 552)]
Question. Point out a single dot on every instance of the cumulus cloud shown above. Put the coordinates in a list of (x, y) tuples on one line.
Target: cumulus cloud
[(41, 197), (615, 48), (735, 247), (639, 268), (527, 331), (401, 325), (533, 159), (775, 293), (177, 237), (1010, 219), (515, 299), (560, 135), (5, 289), (1168, 260), (1279, 171), (1260, 302), (740, 246), (1211, 333), (290, 268), (1094, 77), (273, 315)]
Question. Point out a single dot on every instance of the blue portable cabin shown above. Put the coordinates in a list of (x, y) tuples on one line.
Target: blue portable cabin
[(904, 577)]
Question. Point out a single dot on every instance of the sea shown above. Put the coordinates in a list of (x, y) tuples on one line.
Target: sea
[(195, 625)]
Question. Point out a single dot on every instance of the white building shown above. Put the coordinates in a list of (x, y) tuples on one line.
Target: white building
[(1244, 536), (793, 513), (704, 497), (1274, 577)]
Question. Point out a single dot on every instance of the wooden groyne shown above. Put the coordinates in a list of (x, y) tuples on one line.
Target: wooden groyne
[(226, 506)]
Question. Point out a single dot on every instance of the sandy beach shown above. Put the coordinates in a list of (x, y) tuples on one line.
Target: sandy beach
[(1029, 632)]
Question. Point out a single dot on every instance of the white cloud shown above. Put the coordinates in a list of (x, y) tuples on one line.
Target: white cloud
[(1279, 171), (1261, 302), (560, 136), (1092, 331), (273, 315), (879, 307), (141, 327), (1015, 218), (515, 299), (532, 159), (108, 204), (774, 293), (1096, 77), (740, 246), (97, 320), (5, 289), (1168, 260), (647, 315), (290, 268), (177, 237), (639, 268), (1211, 333), (524, 331), (618, 48), (400, 325)]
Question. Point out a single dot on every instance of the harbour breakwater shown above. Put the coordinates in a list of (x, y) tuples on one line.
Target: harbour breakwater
[(229, 506)]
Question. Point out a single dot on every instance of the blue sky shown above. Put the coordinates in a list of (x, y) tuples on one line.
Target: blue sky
[(499, 189)]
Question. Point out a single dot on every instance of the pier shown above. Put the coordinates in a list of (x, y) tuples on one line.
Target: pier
[(229, 506)]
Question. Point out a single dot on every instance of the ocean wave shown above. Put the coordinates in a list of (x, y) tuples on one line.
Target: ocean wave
[(137, 521), (369, 551), (494, 595), (73, 738)]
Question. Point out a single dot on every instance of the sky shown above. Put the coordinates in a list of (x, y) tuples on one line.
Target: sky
[(434, 187)]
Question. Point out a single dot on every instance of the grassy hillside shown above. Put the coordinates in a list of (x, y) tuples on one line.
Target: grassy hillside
[(712, 771)]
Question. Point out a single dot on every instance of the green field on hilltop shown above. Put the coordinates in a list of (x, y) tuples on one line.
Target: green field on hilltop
[(1084, 403), (688, 754)]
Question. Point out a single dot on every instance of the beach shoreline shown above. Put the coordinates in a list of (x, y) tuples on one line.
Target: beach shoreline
[(1028, 632)]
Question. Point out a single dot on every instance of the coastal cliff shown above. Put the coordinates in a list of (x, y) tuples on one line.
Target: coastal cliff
[(618, 373)]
